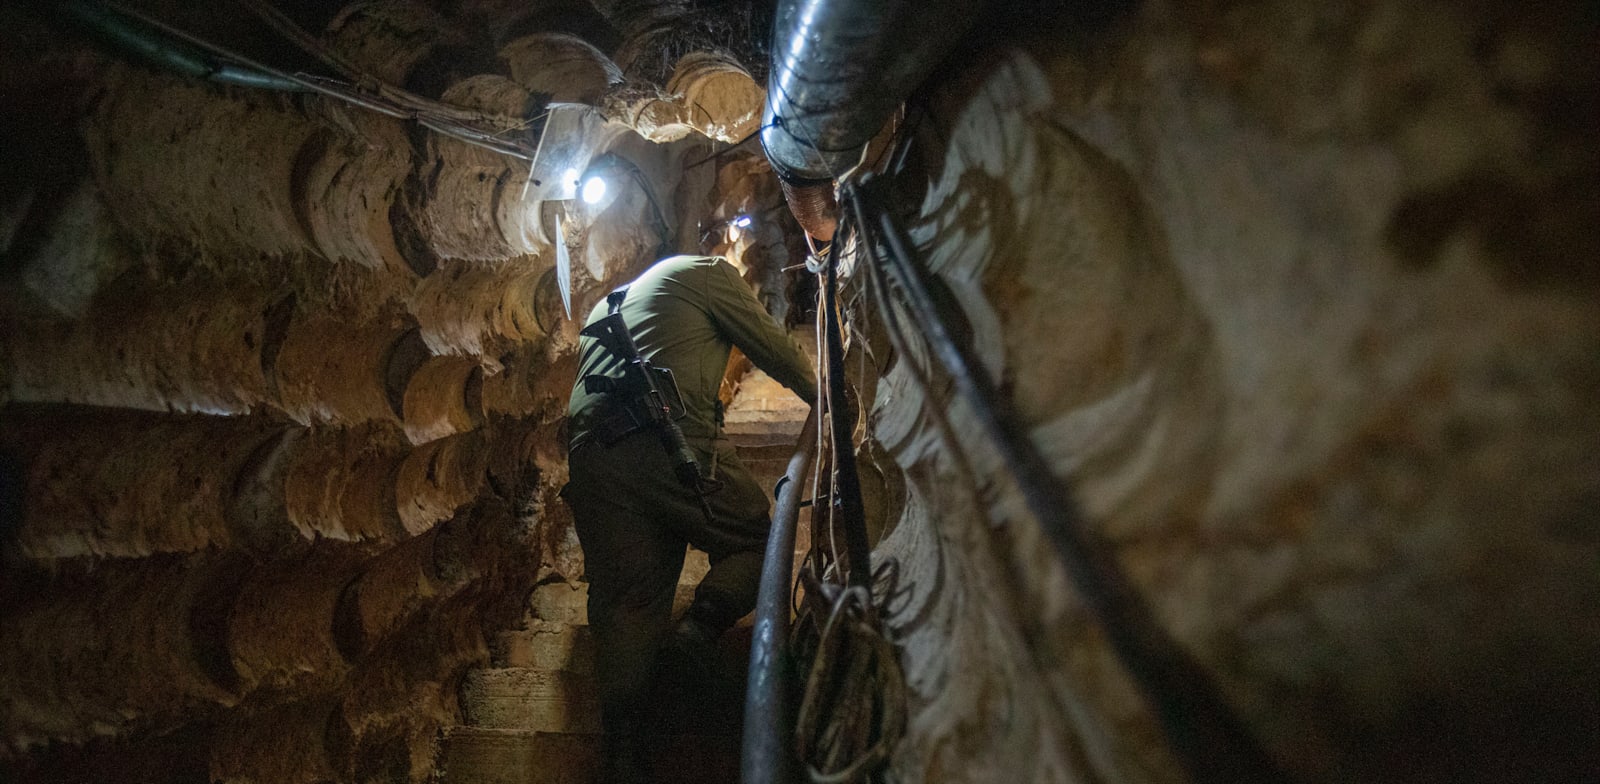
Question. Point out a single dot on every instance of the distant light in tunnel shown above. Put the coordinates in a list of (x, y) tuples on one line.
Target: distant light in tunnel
[(594, 190), (743, 221)]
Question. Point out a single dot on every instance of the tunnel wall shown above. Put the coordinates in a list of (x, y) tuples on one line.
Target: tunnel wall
[(1302, 301), (283, 386)]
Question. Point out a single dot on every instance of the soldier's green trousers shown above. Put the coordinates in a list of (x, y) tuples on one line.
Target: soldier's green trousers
[(635, 522)]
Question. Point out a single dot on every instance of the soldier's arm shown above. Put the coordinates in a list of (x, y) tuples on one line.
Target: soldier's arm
[(748, 325)]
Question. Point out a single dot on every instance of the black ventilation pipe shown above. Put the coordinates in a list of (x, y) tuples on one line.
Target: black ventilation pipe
[(767, 753), (840, 68)]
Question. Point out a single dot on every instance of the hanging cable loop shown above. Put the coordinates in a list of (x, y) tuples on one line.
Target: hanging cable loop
[(852, 712)]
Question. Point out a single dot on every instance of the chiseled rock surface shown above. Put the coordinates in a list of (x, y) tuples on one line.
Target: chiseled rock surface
[(1303, 301)]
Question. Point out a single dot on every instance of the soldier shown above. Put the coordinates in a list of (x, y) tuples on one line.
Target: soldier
[(634, 511)]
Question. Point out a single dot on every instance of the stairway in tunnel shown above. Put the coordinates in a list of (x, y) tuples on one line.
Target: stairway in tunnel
[(533, 717)]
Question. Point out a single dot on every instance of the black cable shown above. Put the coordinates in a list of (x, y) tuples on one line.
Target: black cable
[(173, 48), (730, 148), (667, 234), (848, 503), (157, 48)]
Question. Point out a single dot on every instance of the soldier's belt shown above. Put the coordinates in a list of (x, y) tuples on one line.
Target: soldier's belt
[(624, 414), (625, 422)]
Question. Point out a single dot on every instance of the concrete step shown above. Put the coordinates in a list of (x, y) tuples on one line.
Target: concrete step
[(565, 700), (560, 603), (473, 755), (764, 447), (478, 756), (525, 698), (773, 466), (546, 645), (563, 604)]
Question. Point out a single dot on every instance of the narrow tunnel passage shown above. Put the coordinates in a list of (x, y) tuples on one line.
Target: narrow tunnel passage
[(1298, 298)]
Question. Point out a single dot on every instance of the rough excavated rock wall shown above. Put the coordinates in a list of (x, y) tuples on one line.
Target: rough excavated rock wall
[(1302, 299), (284, 385), (1301, 296)]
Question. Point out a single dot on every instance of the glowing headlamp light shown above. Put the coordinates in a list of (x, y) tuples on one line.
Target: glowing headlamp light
[(594, 189)]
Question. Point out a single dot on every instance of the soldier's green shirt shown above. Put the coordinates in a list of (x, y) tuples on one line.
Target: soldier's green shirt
[(685, 312)]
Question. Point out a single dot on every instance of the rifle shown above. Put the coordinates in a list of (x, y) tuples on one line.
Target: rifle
[(644, 387)]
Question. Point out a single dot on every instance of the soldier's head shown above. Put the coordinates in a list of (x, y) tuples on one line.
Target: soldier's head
[(713, 239)]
